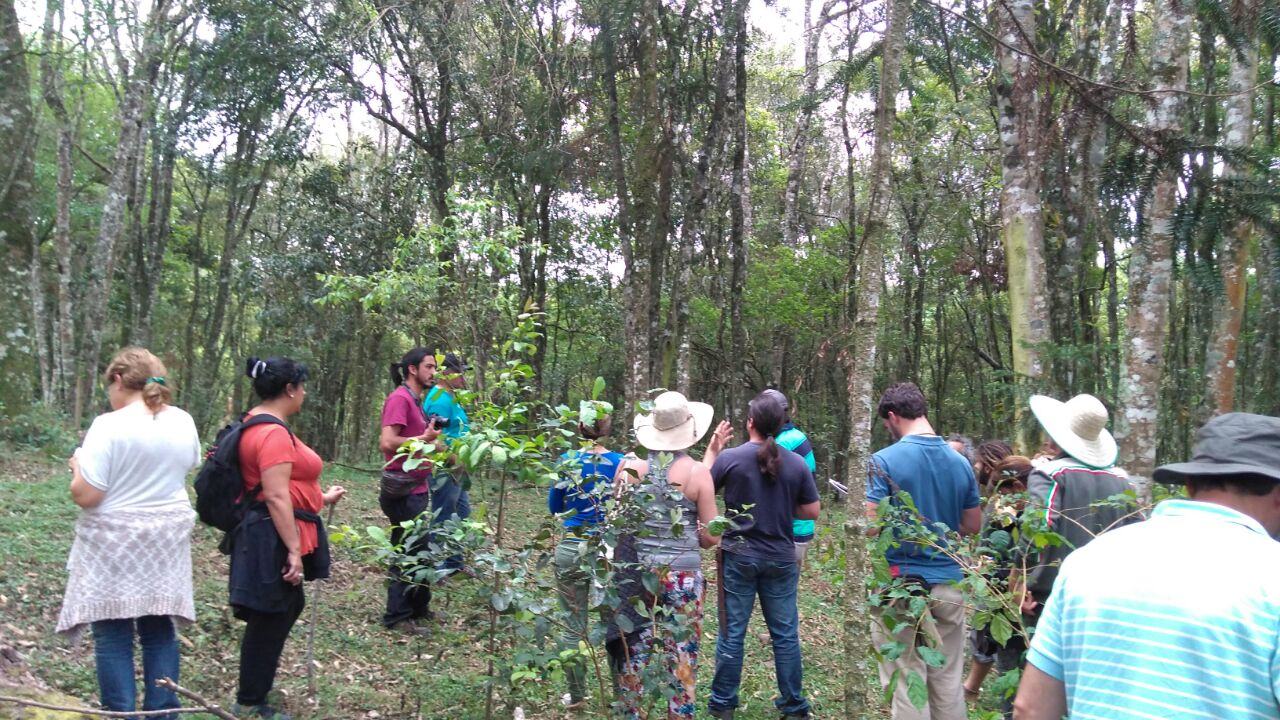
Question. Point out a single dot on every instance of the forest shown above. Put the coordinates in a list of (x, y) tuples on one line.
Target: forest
[(989, 198)]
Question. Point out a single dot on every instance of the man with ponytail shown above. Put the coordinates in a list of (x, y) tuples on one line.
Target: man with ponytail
[(944, 492), (405, 494), (766, 487)]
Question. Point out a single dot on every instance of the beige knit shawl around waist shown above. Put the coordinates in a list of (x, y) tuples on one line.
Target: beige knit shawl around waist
[(129, 563)]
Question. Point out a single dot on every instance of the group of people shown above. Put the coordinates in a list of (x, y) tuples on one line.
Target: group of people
[(129, 573), (772, 500), (1132, 618), (1171, 616)]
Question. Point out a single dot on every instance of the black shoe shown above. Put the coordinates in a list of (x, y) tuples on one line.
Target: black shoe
[(409, 627), (723, 713), (258, 711)]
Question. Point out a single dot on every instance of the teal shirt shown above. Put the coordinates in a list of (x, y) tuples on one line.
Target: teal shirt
[(794, 440), (443, 403)]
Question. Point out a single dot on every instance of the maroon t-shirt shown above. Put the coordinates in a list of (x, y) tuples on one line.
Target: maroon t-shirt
[(401, 408)]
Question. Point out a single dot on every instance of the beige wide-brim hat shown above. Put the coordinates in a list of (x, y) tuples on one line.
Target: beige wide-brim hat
[(1079, 427), (674, 424)]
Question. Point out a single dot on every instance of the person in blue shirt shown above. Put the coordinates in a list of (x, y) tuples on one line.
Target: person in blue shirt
[(794, 439), (578, 499), (449, 485), (944, 491)]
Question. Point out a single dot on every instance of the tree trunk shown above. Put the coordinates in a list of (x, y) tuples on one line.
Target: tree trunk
[(861, 695), (97, 294), (1150, 266), (51, 82), (739, 214), (1233, 255), (1022, 170), (809, 102), (17, 188)]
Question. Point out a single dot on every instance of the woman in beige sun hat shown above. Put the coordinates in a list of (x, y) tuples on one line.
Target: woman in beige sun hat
[(1078, 427), (670, 480)]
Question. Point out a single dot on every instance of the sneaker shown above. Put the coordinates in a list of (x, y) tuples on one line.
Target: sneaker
[(722, 713), (258, 711)]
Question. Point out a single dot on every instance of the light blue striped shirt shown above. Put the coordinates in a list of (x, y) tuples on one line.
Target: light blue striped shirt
[(1176, 617)]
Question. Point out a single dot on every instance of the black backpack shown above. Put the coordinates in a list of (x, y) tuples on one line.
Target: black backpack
[(220, 496)]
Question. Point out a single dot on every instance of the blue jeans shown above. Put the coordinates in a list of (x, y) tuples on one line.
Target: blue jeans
[(449, 499), (113, 651), (775, 582)]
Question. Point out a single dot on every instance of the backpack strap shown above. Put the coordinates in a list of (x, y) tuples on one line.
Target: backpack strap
[(248, 421)]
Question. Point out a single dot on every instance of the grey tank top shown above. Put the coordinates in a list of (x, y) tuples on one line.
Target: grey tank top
[(657, 547)]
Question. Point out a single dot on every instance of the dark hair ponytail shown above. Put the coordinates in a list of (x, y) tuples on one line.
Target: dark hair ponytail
[(767, 416), (413, 358), (272, 376)]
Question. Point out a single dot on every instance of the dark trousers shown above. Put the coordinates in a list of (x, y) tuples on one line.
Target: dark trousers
[(264, 636), (406, 601)]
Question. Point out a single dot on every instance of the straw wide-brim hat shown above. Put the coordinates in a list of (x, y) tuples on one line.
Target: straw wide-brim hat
[(673, 424), (1079, 427)]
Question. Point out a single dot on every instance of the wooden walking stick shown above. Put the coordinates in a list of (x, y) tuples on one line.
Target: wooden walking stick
[(315, 611), (720, 611)]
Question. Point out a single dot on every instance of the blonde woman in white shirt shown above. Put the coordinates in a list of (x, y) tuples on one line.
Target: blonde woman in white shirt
[(130, 566)]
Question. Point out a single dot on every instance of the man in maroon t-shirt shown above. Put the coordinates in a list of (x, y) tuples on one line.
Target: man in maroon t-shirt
[(405, 494)]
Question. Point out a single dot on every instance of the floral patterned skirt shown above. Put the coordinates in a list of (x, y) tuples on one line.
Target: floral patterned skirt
[(666, 654)]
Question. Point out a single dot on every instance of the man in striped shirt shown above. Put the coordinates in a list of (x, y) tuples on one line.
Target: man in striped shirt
[(1179, 616)]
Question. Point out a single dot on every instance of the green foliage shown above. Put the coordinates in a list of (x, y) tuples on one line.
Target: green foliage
[(40, 427)]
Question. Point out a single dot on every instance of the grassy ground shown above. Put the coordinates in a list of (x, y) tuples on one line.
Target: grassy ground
[(363, 670)]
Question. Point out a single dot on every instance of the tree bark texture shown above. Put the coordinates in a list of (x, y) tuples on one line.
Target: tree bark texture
[(51, 84), (1151, 264), (1222, 352), (1021, 206), (862, 698)]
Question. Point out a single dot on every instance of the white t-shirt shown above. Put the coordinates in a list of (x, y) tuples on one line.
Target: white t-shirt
[(138, 459)]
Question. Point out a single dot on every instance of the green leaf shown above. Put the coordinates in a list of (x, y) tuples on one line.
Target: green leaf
[(1001, 628), (917, 690), (597, 388), (624, 623), (931, 657), (377, 534)]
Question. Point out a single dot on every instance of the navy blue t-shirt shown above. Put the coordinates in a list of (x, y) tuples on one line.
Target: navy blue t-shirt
[(767, 533), (940, 483)]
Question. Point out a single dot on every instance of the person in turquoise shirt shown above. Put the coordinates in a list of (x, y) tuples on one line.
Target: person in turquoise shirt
[(449, 495), (794, 439)]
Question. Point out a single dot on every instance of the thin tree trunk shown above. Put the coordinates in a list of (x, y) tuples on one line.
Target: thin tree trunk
[(1233, 255), (861, 696), (102, 258), (1021, 209), (51, 82), (739, 214), (1150, 266), (800, 140)]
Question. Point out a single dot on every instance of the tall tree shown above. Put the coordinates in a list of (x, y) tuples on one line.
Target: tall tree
[(1151, 264), (1018, 108), (861, 698), (17, 187), (1233, 253)]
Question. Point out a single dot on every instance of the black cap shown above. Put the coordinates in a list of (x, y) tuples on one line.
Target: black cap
[(454, 363), (1231, 444)]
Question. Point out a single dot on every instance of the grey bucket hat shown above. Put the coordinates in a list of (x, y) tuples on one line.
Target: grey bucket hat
[(1231, 444)]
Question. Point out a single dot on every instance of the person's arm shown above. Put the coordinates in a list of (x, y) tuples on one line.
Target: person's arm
[(391, 440), (556, 497), (720, 438), (275, 493), (809, 511), (82, 493), (705, 500), (1040, 696), (873, 514), (877, 491), (971, 520)]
